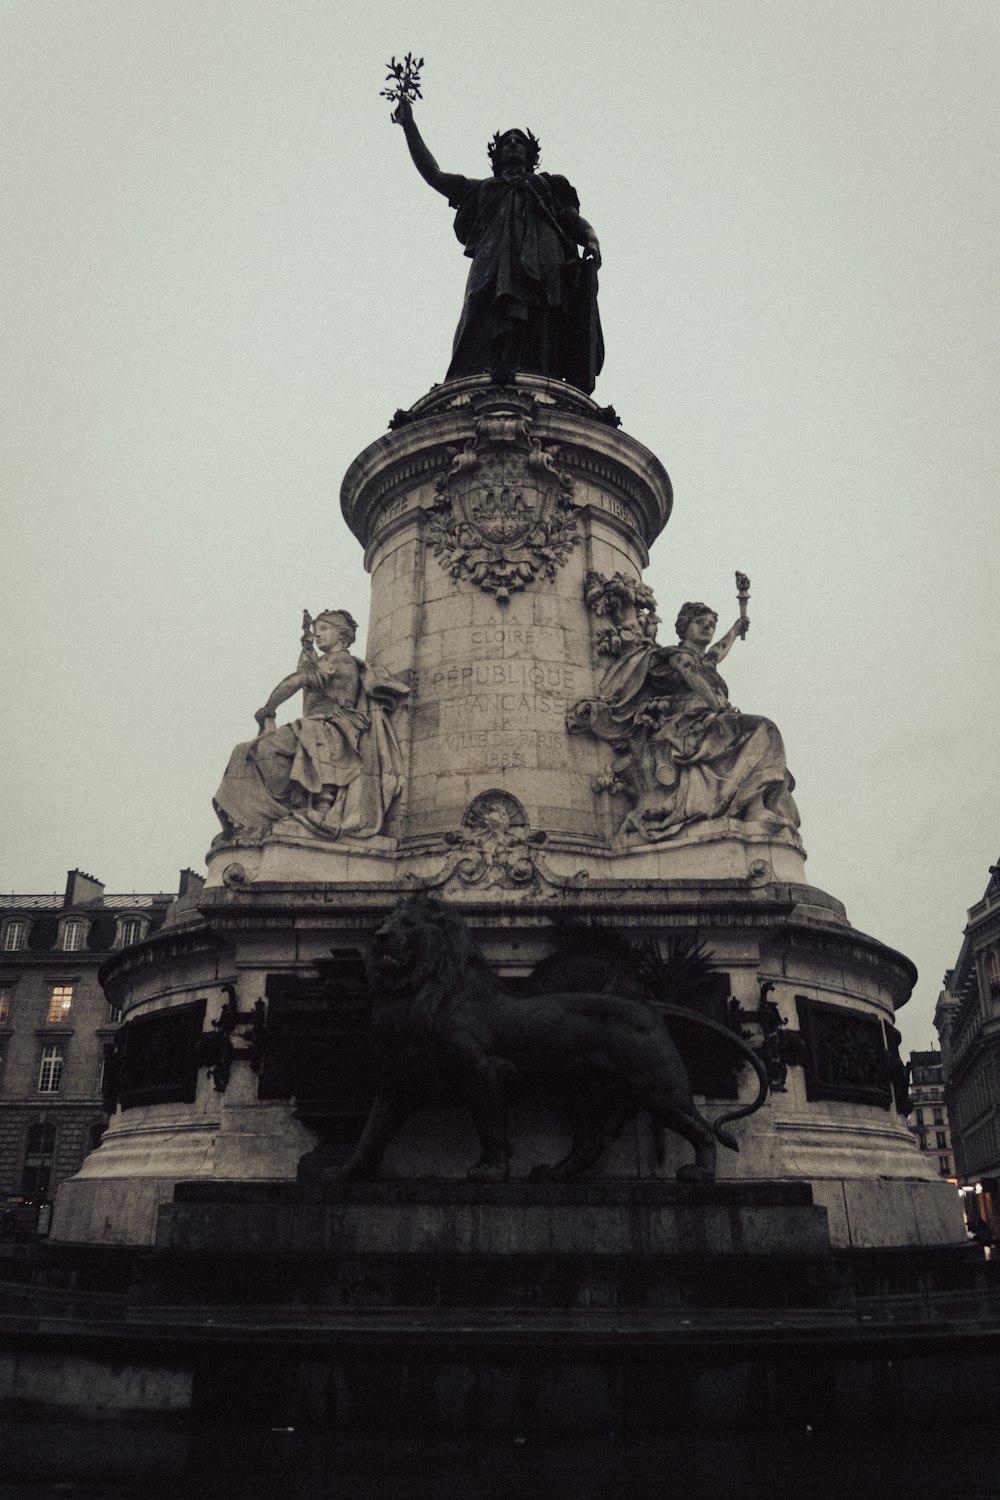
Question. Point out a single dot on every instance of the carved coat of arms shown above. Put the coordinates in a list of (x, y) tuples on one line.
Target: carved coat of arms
[(503, 512)]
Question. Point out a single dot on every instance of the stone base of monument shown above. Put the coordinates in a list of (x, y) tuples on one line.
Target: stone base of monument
[(387, 1221), (830, 1120), (446, 1308)]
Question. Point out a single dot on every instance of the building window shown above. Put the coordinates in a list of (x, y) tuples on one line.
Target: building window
[(72, 936), (920, 1117), (50, 1069), (6, 997), (941, 1139), (939, 1117), (944, 1166), (95, 1135), (129, 931), (15, 936), (41, 1147), (993, 972), (60, 1003), (114, 1014), (922, 1138)]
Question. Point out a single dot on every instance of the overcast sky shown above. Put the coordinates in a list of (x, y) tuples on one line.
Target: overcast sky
[(220, 275)]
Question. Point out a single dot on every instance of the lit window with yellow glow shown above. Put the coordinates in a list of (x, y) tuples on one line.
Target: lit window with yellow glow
[(61, 1002)]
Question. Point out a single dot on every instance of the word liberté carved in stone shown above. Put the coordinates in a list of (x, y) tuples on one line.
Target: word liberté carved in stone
[(503, 512)]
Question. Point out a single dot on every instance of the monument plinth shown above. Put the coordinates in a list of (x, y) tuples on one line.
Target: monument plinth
[(544, 756)]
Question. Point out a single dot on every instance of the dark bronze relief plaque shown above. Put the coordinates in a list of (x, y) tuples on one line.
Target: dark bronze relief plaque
[(713, 1067), (157, 1056), (846, 1056), (318, 1047)]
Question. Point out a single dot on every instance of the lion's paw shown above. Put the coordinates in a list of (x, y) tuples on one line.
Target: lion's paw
[(542, 1173), (488, 1172), (692, 1173)]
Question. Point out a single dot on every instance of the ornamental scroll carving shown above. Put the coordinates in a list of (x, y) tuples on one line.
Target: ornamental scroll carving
[(497, 847), (503, 512)]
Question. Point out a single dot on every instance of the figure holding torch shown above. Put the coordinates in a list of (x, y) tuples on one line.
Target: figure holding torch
[(743, 597)]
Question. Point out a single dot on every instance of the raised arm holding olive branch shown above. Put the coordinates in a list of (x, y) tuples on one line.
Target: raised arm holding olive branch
[(531, 298)]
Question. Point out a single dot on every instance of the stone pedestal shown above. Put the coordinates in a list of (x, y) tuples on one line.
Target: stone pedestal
[(564, 1221), (483, 514)]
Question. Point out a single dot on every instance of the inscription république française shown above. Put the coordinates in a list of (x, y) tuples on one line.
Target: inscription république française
[(452, 681)]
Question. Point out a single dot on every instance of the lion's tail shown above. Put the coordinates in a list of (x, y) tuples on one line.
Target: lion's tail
[(723, 1136)]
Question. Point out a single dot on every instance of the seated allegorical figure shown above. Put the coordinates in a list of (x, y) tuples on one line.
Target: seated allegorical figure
[(685, 757), (336, 771)]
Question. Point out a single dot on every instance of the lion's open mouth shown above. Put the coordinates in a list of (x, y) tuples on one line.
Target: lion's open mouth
[(390, 961)]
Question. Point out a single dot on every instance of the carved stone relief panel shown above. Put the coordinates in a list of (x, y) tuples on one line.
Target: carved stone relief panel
[(503, 513)]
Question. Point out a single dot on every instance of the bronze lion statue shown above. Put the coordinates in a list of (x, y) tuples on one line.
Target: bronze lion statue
[(444, 1024)]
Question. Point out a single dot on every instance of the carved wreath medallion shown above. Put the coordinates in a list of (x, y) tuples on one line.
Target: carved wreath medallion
[(503, 514)]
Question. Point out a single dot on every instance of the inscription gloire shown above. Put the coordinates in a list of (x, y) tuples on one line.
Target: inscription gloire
[(503, 635)]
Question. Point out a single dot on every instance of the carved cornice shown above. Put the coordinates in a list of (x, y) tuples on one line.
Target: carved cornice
[(176, 945), (894, 969), (402, 461)]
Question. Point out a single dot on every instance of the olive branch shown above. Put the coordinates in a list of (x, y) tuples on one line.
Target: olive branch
[(405, 79)]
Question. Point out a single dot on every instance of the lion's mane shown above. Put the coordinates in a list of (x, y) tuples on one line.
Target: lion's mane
[(423, 953)]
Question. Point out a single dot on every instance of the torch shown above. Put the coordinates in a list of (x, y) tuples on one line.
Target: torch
[(743, 595)]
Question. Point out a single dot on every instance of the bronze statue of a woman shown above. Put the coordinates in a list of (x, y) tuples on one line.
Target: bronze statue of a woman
[(531, 299)]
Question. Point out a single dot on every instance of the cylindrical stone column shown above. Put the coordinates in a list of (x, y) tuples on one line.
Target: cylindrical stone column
[(481, 514)]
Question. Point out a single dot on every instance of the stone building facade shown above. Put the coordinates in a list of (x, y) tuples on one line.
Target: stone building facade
[(54, 1024), (968, 1022), (928, 1119)]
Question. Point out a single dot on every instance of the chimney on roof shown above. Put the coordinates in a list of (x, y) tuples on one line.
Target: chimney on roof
[(190, 884), (81, 887)]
